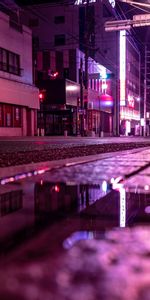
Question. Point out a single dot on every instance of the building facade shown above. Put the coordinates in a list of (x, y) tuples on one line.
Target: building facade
[(76, 28), (93, 106), (18, 96), (59, 46), (129, 86)]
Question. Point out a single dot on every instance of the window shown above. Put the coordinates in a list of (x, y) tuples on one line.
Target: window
[(66, 73), (46, 60), (59, 19), (1, 114), (3, 59), (60, 40), (8, 115), (9, 62), (13, 63), (17, 116)]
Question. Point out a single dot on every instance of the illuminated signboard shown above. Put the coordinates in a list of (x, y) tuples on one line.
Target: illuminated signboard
[(122, 67), (79, 2), (130, 101), (112, 2)]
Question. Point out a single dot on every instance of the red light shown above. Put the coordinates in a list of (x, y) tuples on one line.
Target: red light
[(57, 188), (54, 74), (40, 96)]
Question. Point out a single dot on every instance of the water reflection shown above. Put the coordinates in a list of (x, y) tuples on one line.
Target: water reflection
[(28, 206), (10, 201)]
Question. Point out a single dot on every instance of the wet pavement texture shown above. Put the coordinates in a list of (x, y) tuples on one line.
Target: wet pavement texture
[(77, 232), (14, 152)]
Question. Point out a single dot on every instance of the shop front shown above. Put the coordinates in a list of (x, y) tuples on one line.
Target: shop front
[(129, 121)]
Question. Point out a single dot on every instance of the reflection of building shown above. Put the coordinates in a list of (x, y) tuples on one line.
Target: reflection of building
[(54, 198), (18, 96), (10, 200)]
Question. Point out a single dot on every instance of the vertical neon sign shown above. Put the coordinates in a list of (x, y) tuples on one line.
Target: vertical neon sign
[(122, 207), (122, 67)]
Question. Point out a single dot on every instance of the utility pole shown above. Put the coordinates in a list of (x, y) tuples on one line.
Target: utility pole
[(86, 45), (86, 41), (81, 96), (146, 90)]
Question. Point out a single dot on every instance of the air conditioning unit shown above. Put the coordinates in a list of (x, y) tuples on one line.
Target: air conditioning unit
[(90, 105)]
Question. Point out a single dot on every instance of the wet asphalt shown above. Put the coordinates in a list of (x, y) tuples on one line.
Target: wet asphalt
[(79, 227)]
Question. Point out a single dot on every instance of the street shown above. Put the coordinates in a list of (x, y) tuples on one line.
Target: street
[(18, 151), (53, 213)]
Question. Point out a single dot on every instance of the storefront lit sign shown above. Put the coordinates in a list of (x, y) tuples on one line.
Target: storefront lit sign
[(142, 122), (112, 2), (122, 67), (79, 2), (130, 101), (106, 100)]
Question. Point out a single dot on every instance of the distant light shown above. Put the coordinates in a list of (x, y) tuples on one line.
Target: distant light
[(146, 187), (23, 176), (104, 86), (71, 88), (104, 186), (81, 2), (112, 2), (112, 180), (41, 96), (57, 188), (147, 209), (142, 122)]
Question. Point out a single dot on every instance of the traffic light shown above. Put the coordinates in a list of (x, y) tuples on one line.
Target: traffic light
[(42, 95)]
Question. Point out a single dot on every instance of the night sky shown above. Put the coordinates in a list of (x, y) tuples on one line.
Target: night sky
[(30, 2)]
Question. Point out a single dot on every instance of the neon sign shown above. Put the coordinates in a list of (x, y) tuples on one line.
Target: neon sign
[(122, 67), (112, 2), (79, 2), (131, 101)]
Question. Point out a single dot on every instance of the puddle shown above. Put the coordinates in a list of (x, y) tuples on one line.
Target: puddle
[(59, 239), (29, 206)]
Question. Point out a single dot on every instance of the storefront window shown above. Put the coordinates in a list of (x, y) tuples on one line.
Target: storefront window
[(1, 115), (17, 116), (8, 115)]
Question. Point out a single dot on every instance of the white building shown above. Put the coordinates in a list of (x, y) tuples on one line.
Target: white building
[(19, 98)]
